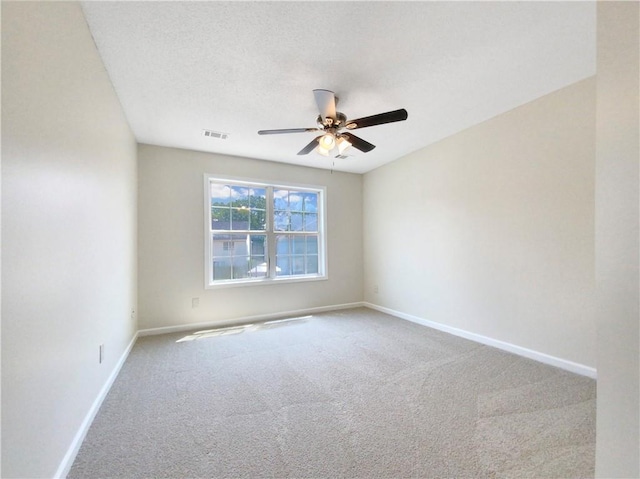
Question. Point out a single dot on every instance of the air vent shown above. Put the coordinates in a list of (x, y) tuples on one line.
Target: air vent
[(215, 134), (343, 157)]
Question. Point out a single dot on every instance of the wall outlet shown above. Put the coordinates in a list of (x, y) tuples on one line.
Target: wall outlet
[(195, 302), (101, 353), (133, 313), (375, 288)]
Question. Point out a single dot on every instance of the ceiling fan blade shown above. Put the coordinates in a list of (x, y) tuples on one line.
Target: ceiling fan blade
[(379, 119), (358, 143), (326, 101), (309, 148), (286, 130)]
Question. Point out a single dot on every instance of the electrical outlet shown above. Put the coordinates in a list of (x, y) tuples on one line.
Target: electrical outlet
[(375, 288), (101, 354), (133, 313), (195, 302)]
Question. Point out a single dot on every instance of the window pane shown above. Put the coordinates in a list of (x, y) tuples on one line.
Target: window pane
[(280, 199), (283, 266), (240, 196), (220, 218), (282, 244), (240, 218), (238, 239), (221, 245), (258, 245), (240, 267), (310, 202), (295, 200), (220, 194), (221, 269), (298, 244), (258, 198), (311, 222), (312, 264), (259, 267), (297, 265), (281, 221), (312, 245), (258, 205), (258, 220), (296, 222), (229, 245)]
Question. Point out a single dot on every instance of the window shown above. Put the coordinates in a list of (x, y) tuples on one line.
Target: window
[(258, 232)]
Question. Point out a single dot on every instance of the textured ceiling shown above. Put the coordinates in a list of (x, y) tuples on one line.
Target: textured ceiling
[(239, 67)]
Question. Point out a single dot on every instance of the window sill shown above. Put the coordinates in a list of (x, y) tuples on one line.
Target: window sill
[(264, 282)]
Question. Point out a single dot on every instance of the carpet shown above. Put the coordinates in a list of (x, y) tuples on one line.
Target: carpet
[(344, 394)]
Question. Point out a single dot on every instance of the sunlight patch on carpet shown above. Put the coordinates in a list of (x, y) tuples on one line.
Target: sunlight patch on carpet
[(228, 330)]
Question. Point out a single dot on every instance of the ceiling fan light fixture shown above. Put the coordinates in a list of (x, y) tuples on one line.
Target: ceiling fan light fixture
[(343, 144), (323, 151), (327, 142)]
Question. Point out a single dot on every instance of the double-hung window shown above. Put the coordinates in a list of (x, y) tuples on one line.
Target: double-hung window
[(262, 232)]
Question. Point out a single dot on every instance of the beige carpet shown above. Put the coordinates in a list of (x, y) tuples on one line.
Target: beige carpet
[(353, 393)]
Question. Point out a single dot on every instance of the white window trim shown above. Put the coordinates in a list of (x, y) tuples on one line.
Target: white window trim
[(322, 235)]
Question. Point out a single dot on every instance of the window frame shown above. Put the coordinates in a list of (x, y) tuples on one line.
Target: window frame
[(270, 232)]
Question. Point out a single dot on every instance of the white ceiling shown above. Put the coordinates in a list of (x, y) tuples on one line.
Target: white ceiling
[(239, 67)]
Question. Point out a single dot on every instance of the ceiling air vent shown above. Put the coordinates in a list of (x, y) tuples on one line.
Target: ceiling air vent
[(343, 157), (215, 134)]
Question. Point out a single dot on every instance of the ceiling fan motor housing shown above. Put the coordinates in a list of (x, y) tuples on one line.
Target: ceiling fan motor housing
[(329, 122)]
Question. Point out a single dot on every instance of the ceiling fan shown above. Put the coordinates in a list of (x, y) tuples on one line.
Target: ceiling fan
[(332, 124)]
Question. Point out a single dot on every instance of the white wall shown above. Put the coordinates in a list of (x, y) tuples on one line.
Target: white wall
[(617, 240), (171, 240), (492, 230), (68, 232)]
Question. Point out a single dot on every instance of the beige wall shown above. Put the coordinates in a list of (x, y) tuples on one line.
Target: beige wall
[(492, 230), (617, 240), (171, 240), (68, 232)]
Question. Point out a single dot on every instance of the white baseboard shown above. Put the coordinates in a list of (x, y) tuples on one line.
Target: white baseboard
[(72, 452), (512, 348), (246, 319)]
